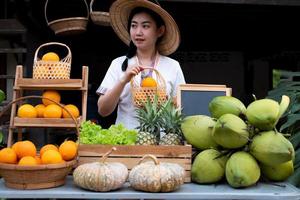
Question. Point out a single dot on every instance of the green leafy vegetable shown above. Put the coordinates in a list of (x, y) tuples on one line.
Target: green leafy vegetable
[(91, 133)]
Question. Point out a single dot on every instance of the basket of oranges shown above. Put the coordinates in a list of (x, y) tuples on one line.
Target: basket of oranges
[(148, 87), (50, 65), (22, 166)]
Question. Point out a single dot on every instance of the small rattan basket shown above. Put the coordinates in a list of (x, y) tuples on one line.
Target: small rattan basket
[(69, 25), (99, 17), (52, 69), (140, 94)]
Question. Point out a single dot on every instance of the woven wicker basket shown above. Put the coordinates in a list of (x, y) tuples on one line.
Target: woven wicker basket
[(35, 177), (140, 94), (99, 17), (70, 25), (39, 176), (52, 69)]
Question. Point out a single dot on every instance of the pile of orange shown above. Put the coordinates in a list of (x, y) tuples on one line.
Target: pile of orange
[(48, 108), (25, 153)]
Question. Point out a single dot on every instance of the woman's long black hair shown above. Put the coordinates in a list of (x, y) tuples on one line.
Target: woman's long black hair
[(132, 48)]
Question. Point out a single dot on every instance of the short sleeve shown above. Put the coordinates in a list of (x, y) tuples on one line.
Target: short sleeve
[(178, 80), (111, 77)]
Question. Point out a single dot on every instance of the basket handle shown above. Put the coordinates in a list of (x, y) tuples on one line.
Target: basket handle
[(150, 68), (46, 5), (39, 97), (48, 44), (91, 5)]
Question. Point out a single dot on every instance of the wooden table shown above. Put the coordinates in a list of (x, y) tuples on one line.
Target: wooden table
[(187, 191)]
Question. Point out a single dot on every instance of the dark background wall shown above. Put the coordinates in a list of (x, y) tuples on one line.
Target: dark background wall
[(233, 44)]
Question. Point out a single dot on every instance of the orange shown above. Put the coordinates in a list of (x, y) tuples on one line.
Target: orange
[(68, 150), (38, 160), (72, 109), (27, 161), (48, 147), (50, 56), (50, 94), (25, 148), (53, 111), (40, 108), (27, 111), (148, 82), (15, 146), (8, 155), (51, 157)]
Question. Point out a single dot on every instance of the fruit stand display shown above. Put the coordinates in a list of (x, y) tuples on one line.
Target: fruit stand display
[(22, 84), (132, 146)]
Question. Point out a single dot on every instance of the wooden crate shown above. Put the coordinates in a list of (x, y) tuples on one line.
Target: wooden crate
[(131, 154)]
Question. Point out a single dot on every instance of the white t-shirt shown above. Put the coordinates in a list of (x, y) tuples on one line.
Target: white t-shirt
[(168, 68)]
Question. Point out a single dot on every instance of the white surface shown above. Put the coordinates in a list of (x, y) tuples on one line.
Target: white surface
[(187, 191)]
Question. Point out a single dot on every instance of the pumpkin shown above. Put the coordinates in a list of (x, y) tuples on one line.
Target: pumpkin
[(155, 176), (101, 176)]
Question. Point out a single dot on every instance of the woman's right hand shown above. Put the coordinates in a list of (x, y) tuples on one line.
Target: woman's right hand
[(130, 72)]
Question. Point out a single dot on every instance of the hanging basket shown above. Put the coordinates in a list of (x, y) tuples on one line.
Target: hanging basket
[(99, 17), (52, 69), (140, 94), (70, 25)]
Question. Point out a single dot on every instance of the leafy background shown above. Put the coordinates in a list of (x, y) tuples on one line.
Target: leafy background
[(287, 83)]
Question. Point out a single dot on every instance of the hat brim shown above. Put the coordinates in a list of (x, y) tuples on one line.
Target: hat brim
[(119, 13)]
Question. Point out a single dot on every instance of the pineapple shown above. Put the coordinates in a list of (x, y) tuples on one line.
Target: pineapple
[(149, 119), (171, 125)]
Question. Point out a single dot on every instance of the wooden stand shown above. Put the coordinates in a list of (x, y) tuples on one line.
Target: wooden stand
[(130, 155), (22, 84)]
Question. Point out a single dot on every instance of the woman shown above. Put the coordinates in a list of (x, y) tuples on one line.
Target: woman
[(151, 34)]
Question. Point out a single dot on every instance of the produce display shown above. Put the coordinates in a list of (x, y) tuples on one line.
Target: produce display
[(25, 153), (91, 133), (155, 176), (154, 118), (239, 143), (101, 176), (48, 109)]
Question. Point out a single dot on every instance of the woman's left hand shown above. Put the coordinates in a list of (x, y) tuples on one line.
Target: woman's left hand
[(131, 72)]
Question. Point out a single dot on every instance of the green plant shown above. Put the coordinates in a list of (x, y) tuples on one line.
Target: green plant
[(289, 123)]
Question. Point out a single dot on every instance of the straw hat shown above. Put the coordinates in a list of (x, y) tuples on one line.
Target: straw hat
[(119, 13)]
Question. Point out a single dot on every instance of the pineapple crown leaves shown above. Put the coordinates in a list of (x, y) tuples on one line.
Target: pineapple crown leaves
[(149, 116), (171, 118)]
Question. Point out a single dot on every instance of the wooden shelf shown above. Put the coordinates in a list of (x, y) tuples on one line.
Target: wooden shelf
[(58, 84), (21, 84), (46, 122)]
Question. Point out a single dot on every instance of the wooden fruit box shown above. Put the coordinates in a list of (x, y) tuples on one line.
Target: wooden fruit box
[(130, 155)]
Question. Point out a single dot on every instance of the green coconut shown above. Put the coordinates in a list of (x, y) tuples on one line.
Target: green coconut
[(279, 172), (242, 170), (221, 105), (230, 131), (197, 130), (271, 148), (265, 113), (208, 166)]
